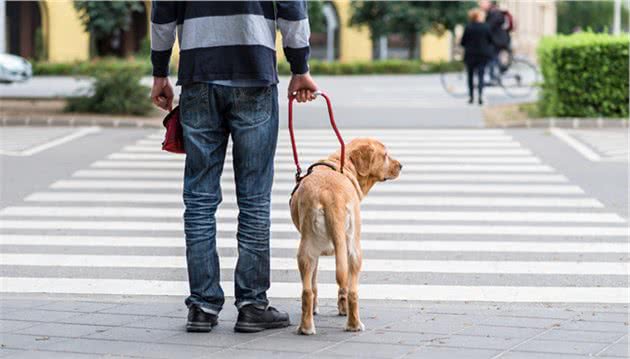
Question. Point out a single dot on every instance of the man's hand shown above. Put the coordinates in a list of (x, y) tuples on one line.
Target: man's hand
[(303, 86), (162, 93)]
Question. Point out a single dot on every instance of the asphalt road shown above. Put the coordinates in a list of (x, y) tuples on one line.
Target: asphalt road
[(402, 101), (478, 215)]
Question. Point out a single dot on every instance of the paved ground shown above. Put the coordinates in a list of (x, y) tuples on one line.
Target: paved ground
[(478, 219), (63, 327), (359, 101)]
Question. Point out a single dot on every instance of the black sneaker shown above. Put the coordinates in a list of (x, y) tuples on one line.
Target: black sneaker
[(252, 319), (200, 321)]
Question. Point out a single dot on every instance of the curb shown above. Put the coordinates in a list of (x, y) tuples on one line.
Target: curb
[(72, 121), (114, 122), (563, 123)]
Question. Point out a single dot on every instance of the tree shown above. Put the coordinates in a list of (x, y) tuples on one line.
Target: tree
[(583, 15), (316, 17), (408, 18), (106, 21)]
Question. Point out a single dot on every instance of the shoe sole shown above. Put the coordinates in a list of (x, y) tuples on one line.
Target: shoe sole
[(259, 327), (197, 327)]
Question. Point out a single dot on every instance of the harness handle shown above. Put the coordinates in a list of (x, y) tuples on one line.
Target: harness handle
[(332, 124)]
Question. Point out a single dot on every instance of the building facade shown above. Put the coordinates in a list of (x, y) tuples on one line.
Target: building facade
[(52, 30)]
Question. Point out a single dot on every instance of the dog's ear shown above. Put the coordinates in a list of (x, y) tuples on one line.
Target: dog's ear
[(362, 158)]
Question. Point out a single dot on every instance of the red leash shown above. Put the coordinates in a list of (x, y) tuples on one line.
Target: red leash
[(332, 123)]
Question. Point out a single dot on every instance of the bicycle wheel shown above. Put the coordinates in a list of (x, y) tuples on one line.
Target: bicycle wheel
[(520, 78), (455, 83)]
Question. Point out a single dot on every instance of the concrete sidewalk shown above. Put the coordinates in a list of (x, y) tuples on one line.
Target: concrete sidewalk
[(46, 326)]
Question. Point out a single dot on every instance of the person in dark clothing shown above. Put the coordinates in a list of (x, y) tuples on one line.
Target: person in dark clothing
[(477, 43), (495, 18)]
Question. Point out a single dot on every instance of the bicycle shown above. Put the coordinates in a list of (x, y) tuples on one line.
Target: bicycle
[(516, 75)]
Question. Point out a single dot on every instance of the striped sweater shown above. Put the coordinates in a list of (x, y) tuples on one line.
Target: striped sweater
[(228, 40)]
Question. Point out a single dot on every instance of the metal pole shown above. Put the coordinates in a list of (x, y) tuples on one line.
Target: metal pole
[(331, 27), (617, 18), (382, 48), (3, 27)]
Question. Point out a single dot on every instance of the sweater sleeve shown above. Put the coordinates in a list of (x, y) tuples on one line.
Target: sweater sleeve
[(292, 17), (163, 29)]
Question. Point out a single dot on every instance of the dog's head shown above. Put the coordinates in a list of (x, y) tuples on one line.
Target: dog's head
[(372, 160)]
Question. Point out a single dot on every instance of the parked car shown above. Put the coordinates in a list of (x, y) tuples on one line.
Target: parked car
[(14, 69)]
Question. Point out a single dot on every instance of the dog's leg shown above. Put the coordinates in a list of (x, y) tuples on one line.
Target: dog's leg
[(307, 266), (314, 288), (341, 262), (354, 322)]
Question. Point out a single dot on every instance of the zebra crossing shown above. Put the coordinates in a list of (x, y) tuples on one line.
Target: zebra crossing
[(475, 216)]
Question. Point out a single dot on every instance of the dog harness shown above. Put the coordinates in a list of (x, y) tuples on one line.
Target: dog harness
[(298, 178), (298, 172)]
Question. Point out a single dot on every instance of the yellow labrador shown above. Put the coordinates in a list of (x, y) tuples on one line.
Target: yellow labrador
[(325, 208)]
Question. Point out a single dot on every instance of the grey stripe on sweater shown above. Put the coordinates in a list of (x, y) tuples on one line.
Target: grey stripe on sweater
[(230, 30)]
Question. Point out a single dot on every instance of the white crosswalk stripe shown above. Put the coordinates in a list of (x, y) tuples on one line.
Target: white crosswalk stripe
[(472, 208), (394, 187), (446, 201), (367, 244)]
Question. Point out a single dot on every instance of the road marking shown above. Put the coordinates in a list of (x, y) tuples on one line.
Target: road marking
[(576, 145), (446, 201), (54, 143), (290, 167), (388, 132), (410, 177), (366, 244), (395, 145), (367, 228), (151, 152), (229, 213), (328, 264), (327, 140), (388, 188), (287, 158), (326, 290)]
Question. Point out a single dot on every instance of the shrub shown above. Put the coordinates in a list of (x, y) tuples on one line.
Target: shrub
[(585, 75), (142, 65), (114, 92), (378, 67), (91, 67)]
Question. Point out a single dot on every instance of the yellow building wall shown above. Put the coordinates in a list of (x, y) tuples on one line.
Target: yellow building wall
[(355, 43), (435, 48), (67, 40)]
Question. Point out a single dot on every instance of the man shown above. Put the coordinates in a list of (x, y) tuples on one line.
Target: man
[(500, 36), (227, 70)]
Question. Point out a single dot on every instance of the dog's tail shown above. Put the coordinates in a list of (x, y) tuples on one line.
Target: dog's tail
[(339, 224)]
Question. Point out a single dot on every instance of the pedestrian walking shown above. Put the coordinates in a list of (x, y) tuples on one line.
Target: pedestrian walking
[(227, 70), (477, 43)]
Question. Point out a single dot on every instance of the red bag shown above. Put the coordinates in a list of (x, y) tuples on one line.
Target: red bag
[(174, 138)]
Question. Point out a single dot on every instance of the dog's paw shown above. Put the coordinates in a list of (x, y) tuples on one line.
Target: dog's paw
[(315, 310), (343, 312), (355, 328), (306, 331)]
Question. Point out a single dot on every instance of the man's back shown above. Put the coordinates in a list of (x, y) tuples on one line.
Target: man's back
[(229, 40)]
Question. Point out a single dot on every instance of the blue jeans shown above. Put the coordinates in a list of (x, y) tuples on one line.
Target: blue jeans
[(209, 115)]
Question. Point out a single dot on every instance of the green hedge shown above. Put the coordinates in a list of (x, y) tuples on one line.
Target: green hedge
[(585, 75), (91, 67), (375, 67), (143, 66)]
